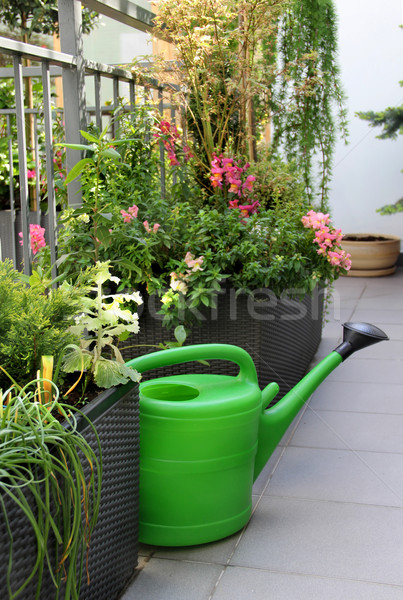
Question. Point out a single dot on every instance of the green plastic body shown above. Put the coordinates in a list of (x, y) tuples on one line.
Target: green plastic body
[(203, 440)]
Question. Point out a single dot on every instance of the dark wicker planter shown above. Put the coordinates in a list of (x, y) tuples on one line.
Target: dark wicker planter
[(281, 335), (114, 543)]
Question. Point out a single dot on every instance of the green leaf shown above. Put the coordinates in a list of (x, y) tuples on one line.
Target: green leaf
[(104, 235), (77, 169), (89, 137), (74, 358), (110, 153), (74, 146), (108, 373), (180, 334)]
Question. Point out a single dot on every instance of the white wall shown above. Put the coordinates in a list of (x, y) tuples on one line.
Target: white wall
[(367, 172)]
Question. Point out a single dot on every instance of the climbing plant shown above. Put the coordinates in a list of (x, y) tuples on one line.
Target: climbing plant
[(308, 103)]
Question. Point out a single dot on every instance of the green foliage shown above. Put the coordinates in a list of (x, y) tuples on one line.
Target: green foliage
[(42, 465), (277, 183), (305, 101), (118, 176), (391, 119), (391, 209), (102, 318), (27, 17), (270, 249), (33, 322), (219, 73)]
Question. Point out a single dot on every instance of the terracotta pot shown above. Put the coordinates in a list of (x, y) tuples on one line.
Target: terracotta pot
[(372, 254)]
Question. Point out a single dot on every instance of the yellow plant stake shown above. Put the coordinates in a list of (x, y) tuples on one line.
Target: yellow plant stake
[(47, 374)]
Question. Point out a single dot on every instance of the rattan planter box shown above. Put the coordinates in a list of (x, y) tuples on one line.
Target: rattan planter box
[(114, 543), (281, 334)]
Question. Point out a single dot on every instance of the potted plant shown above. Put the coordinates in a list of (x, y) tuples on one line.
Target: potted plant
[(372, 254), (50, 491), (245, 243), (37, 320)]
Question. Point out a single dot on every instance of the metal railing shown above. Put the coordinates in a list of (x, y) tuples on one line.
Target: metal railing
[(74, 71)]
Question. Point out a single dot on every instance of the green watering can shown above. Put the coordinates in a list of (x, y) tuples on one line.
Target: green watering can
[(205, 438)]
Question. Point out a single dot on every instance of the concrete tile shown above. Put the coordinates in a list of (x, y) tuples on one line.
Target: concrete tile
[(350, 431), (369, 370), (378, 317), (327, 345), (215, 552), (326, 539), (358, 397), (172, 580), (340, 476), (267, 472), (378, 300), (387, 350), (239, 583)]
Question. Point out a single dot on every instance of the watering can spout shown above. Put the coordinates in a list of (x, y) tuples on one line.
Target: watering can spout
[(357, 336), (275, 421)]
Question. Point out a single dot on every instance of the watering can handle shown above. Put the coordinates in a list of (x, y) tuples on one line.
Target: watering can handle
[(183, 354)]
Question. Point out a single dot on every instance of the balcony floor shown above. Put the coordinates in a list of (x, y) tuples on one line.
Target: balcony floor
[(328, 507)]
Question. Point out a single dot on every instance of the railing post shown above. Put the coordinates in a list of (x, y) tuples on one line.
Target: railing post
[(22, 160), (71, 42)]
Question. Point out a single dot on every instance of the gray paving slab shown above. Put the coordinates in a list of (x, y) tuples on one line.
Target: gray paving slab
[(358, 397), (339, 475), (380, 301), (378, 317), (370, 370), (215, 552), (240, 583), (327, 539), (387, 350), (173, 580), (350, 431)]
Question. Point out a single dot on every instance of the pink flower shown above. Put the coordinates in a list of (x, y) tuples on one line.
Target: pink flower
[(126, 216), (248, 185), (173, 161), (194, 263), (133, 210), (130, 215), (31, 173), (37, 238), (147, 227), (315, 220), (249, 209)]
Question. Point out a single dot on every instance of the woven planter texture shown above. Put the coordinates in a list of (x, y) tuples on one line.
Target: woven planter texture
[(281, 335), (114, 543)]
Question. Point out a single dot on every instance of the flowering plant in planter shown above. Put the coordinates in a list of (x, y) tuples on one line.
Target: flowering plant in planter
[(184, 250), (286, 247)]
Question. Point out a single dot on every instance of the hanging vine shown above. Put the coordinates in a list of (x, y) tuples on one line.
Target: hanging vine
[(308, 103)]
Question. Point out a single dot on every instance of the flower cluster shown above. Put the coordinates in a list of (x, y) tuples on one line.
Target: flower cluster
[(229, 175), (132, 213), (169, 135), (328, 239), (37, 238), (179, 281)]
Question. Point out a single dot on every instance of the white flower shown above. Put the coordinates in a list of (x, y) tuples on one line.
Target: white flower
[(84, 218)]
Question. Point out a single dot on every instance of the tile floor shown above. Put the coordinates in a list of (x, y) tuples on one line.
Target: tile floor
[(328, 507)]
